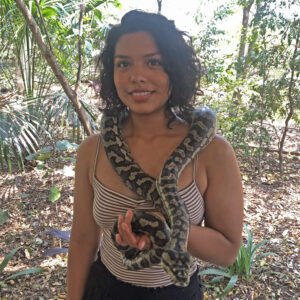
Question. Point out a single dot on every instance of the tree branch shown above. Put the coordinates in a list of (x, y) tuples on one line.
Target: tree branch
[(291, 103), (44, 25), (54, 65), (159, 2), (82, 7)]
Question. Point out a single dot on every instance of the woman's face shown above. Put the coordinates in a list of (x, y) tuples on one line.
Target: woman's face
[(139, 77)]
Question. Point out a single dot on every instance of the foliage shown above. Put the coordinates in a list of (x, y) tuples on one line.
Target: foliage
[(23, 121), (41, 157), (61, 234), (65, 145), (54, 194), (24, 69), (242, 267), (59, 25), (6, 260), (207, 41), (30, 69), (3, 216), (18, 133), (58, 110), (252, 91), (248, 92)]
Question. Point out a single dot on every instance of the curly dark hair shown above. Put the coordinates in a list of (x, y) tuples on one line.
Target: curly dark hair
[(179, 59)]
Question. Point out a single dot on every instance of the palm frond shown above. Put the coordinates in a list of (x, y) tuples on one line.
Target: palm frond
[(18, 133)]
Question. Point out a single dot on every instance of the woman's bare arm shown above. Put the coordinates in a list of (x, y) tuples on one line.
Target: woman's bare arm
[(219, 241), (85, 234)]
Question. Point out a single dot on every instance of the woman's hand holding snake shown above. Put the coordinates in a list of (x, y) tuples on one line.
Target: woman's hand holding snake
[(126, 237)]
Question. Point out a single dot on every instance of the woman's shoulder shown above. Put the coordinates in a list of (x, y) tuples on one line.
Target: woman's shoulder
[(86, 153), (88, 144), (218, 149), (219, 143)]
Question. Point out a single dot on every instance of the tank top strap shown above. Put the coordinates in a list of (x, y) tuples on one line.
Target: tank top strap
[(195, 167), (97, 152)]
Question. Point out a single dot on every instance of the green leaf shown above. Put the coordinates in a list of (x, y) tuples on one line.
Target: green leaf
[(26, 272), (3, 216), (40, 167), (7, 258), (46, 150), (49, 12), (229, 286), (259, 245), (65, 145), (43, 157), (32, 156), (246, 261), (214, 272), (98, 14), (216, 279), (71, 159), (54, 194), (23, 195), (265, 254), (88, 47)]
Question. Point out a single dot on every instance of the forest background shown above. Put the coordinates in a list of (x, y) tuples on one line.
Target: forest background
[(249, 52)]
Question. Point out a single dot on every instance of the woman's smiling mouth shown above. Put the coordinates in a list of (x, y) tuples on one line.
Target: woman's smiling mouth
[(141, 95)]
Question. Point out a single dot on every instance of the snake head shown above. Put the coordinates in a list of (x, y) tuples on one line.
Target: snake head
[(177, 265)]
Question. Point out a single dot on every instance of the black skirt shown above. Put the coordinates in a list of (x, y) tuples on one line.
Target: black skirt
[(102, 285)]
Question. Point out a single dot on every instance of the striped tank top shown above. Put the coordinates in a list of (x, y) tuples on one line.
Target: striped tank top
[(109, 204)]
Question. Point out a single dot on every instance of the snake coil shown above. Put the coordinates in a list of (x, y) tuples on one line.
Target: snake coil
[(169, 236)]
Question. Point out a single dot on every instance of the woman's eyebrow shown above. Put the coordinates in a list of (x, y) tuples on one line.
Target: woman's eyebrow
[(152, 54), (128, 57), (121, 56)]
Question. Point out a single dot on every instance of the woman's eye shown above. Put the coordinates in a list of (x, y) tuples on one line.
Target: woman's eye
[(154, 62), (122, 64)]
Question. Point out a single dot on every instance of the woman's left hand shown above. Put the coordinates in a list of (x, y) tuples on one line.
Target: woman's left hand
[(126, 237)]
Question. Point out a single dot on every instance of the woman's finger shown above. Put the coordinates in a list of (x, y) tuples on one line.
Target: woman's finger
[(126, 229), (144, 243), (119, 240), (120, 221), (128, 217), (128, 235)]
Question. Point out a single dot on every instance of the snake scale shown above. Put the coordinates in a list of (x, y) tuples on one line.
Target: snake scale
[(169, 236)]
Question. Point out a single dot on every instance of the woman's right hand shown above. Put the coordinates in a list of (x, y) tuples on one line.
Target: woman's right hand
[(126, 237)]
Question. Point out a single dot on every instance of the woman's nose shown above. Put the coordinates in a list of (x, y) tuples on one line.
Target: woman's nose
[(138, 74)]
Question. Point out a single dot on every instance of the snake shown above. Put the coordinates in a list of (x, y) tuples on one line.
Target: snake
[(169, 235)]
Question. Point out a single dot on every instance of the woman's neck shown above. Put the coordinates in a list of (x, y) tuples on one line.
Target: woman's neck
[(147, 125)]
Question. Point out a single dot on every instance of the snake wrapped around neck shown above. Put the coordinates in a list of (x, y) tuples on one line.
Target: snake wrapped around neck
[(169, 236)]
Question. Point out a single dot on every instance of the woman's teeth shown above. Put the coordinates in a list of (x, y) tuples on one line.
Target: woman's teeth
[(141, 93)]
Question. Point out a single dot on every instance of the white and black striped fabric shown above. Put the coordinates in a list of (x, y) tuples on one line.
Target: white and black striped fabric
[(109, 204)]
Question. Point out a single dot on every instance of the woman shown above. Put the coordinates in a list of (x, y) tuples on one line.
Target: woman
[(147, 72)]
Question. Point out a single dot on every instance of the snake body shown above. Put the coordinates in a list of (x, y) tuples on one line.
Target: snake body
[(169, 237)]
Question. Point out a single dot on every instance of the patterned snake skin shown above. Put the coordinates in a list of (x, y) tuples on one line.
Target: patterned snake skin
[(169, 236)]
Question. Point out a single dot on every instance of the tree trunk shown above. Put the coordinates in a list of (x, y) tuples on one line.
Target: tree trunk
[(242, 48), (291, 105), (252, 42), (245, 22), (54, 66), (19, 62)]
